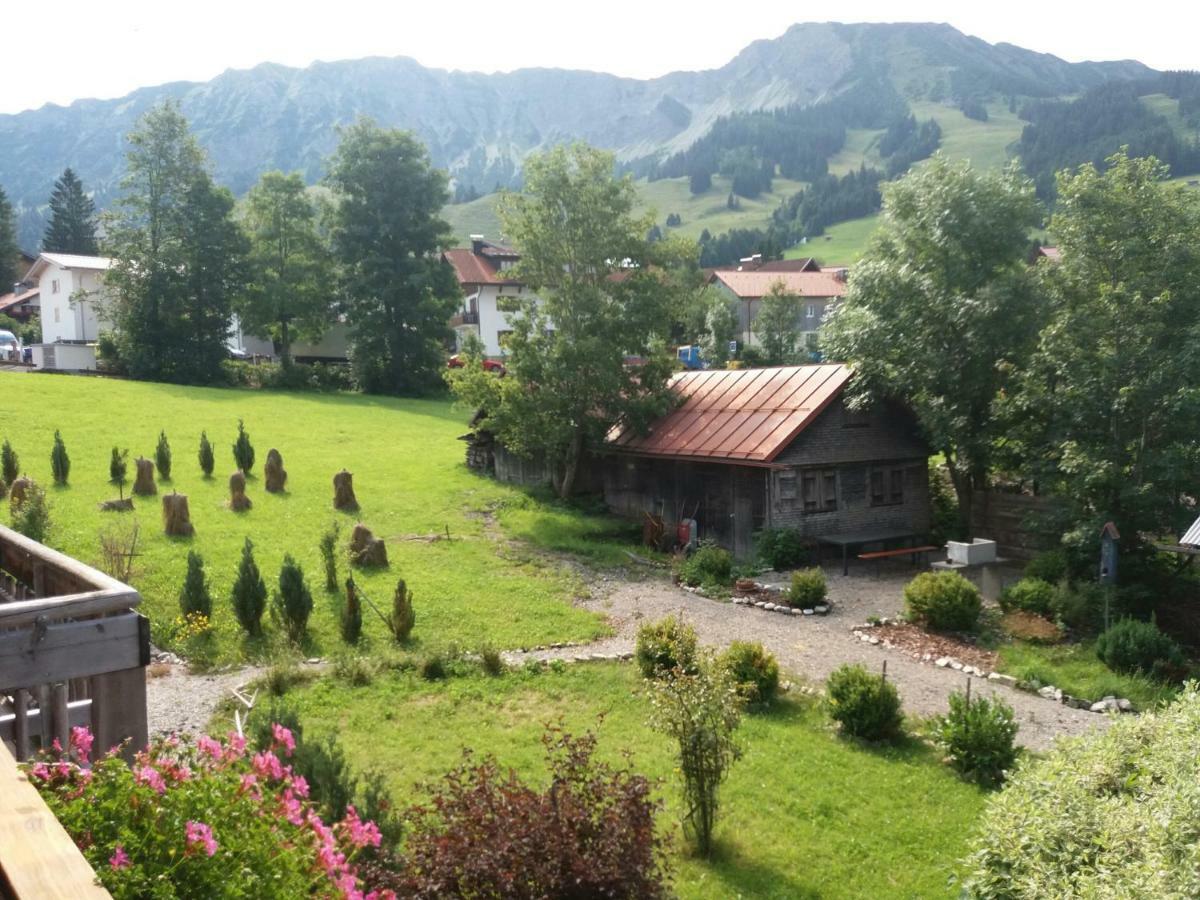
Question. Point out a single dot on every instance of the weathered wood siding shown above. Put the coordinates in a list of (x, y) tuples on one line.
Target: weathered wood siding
[(1011, 521)]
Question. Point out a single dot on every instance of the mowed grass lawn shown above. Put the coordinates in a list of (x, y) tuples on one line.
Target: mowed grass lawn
[(804, 813), (408, 474)]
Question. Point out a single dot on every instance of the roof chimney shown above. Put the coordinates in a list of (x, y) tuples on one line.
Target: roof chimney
[(477, 243)]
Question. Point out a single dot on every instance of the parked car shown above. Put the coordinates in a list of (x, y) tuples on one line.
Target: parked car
[(489, 365), (10, 347)]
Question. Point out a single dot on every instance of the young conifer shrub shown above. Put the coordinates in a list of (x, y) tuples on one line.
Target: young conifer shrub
[(118, 470), (404, 617), (31, 514), (293, 602), (249, 592), (206, 455), (60, 462), (10, 464), (329, 555), (351, 619), (243, 450), (162, 457), (195, 597)]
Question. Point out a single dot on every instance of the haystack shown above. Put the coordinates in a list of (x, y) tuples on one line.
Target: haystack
[(238, 501), (18, 491), (365, 548), (144, 482), (274, 472), (343, 492), (117, 505), (176, 519)]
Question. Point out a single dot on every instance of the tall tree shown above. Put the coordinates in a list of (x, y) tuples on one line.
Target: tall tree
[(178, 255), (1109, 408), (386, 231), (777, 325), (941, 310), (290, 293), (8, 245), (605, 295), (72, 225)]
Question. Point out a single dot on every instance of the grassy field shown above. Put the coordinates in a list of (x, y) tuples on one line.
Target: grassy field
[(804, 814), (841, 244), (1075, 668), (408, 475)]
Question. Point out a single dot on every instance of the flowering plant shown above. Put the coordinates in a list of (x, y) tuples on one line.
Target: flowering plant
[(202, 819)]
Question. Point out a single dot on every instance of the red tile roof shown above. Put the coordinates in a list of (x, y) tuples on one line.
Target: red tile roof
[(475, 268), (752, 285), (737, 416), (8, 301)]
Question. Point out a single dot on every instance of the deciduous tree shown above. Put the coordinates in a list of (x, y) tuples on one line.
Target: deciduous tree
[(777, 325)]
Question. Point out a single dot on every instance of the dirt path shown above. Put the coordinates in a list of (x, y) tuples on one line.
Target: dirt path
[(813, 646), (181, 702)]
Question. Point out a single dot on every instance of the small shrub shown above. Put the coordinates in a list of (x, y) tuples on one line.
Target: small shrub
[(281, 677), (329, 540), (243, 450), (943, 601), (433, 667), (10, 463), (1029, 594), (558, 666), (1049, 565), (979, 737), (118, 470), (754, 671), (351, 617), (249, 592), (31, 515), (664, 646), (780, 548), (195, 597), (162, 457), (532, 666), (293, 601), (491, 661), (60, 461), (205, 456), (865, 705), (1132, 646), (1079, 606), (709, 565), (356, 671), (808, 588), (404, 616)]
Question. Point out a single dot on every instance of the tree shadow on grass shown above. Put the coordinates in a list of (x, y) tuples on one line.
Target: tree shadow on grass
[(744, 876)]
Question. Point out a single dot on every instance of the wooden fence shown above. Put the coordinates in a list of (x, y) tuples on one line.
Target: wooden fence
[(1011, 521)]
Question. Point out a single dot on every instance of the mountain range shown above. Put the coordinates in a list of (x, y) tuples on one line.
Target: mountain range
[(481, 126)]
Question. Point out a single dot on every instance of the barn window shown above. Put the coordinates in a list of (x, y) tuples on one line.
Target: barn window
[(787, 485), (887, 486), (818, 490)]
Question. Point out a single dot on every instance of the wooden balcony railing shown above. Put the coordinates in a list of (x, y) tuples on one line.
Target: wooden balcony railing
[(73, 651)]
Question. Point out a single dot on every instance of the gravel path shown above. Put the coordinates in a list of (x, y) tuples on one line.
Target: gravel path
[(181, 702), (813, 646)]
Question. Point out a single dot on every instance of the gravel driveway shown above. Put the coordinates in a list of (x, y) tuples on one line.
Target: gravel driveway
[(813, 646), (181, 702)]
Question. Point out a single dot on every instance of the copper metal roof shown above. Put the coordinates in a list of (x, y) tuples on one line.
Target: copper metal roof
[(743, 415)]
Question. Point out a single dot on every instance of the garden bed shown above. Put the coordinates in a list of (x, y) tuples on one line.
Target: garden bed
[(927, 646)]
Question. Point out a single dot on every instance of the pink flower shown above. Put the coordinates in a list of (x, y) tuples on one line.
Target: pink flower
[(150, 776), (40, 772), (283, 738), (200, 835), (292, 808), (119, 859), (56, 745), (209, 747), (267, 764), (300, 785), (81, 741), (236, 746), (362, 834)]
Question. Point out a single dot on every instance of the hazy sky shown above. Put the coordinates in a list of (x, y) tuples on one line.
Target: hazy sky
[(84, 48)]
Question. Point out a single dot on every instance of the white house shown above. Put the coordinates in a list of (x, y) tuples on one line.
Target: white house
[(491, 298), (74, 309), (817, 290)]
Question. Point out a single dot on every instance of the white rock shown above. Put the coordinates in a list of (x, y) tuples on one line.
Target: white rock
[(942, 662), (1003, 679), (873, 640), (797, 612), (956, 665), (822, 609), (808, 612), (1124, 705)]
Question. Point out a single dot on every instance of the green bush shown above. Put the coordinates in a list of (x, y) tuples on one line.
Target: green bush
[(1029, 594), (205, 455), (780, 548), (351, 617), (162, 457), (433, 667), (491, 661), (808, 588), (10, 463), (865, 705), (1112, 814), (243, 450), (753, 670), (194, 597), (1078, 606), (943, 601), (709, 565), (404, 615), (979, 737), (664, 646), (1049, 565), (293, 600), (60, 462), (31, 517), (1133, 646), (249, 592)]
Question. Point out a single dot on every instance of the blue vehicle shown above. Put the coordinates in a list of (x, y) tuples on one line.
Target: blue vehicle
[(689, 355)]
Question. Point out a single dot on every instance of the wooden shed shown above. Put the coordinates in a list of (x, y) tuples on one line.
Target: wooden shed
[(769, 448)]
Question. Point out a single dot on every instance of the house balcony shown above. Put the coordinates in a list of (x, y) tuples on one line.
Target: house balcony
[(465, 318)]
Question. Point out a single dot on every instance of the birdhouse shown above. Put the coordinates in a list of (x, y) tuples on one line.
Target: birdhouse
[(1109, 538)]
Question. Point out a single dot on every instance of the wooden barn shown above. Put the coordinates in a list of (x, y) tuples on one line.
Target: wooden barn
[(770, 448)]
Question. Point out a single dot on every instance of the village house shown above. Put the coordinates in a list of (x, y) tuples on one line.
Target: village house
[(817, 289), (491, 296), (751, 449), (73, 311)]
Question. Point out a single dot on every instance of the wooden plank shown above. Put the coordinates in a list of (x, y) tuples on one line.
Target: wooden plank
[(60, 722), (21, 723), (70, 650), (71, 606), (119, 711), (38, 859), (79, 712)]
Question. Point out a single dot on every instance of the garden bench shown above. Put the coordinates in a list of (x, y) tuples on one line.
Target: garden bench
[(899, 551)]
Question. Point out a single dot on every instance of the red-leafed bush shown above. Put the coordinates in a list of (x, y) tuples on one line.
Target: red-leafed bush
[(485, 833)]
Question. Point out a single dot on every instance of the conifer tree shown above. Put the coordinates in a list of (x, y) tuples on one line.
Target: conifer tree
[(8, 246), (72, 225), (206, 455), (195, 596), (249, 592), (10, 464), (293, 602), (243, 450), (162, 457), (118, 470), (60, 462)]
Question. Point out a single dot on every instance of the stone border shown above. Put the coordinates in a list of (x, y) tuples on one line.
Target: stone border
[(1046, 692), (817, 609)]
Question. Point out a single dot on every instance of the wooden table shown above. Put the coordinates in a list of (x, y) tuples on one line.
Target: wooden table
[(849, 539)]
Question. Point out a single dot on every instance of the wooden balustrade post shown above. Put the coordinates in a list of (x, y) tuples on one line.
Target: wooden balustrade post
[(119, 711)]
